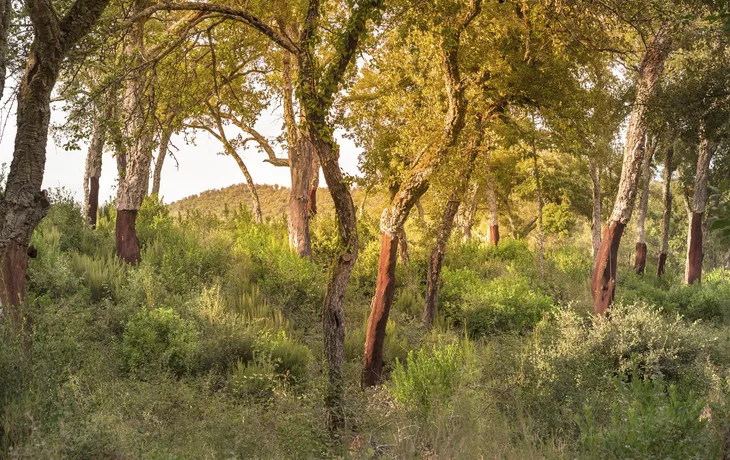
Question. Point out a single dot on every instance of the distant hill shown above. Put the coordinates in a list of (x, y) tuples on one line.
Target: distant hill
[(274, 201)]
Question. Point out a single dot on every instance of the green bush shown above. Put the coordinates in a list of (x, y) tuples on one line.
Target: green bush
[(430, 375), (571, 362), (649, 420), (289, 358), (158, 340), (255, 380), (507, 304), (558, 219), (103, 276)]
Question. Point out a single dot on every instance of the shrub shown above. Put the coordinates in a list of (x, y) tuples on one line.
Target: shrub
[(501, 305), (430, 376), (649, 420), (289, 358), (559, 219), (254, 380), (158, 340), (571, 362), (103, 276)]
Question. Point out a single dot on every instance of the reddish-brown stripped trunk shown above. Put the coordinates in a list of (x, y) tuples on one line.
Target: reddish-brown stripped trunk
[(603, 279), (410, 191), (378, 320), (127, 242)]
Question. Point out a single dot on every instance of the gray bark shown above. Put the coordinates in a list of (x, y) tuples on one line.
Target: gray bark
[(644, 199), (597, 205)]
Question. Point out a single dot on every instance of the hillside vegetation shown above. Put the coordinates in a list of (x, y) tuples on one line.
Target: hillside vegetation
[(211, 347)]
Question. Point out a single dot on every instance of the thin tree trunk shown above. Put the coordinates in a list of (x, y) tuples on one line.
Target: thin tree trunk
[(667, 216), (596, 217), (421, 213), (312, 202), (6, 9), (698, 206), (134, 185), (165, 136), (492, 216), (92, 171), (540, 245), (603, 280), (640, 260), (468, 211), (24, 205), (410, 191), (435, 262)]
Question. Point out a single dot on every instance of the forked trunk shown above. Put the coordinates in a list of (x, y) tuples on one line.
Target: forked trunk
[(640, 259), (596, 216), (698, 206), (667, 216), (603, 280)]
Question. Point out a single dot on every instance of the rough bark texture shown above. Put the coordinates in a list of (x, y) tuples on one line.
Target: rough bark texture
[(698, 204), (640, 259), (160, 161), (24, 204), (413, 187), (138, 134), (595, 174), (92, 172), (126, 232), (603, 280), (378, 320), (667, 216), (300, 170), (5, 11)]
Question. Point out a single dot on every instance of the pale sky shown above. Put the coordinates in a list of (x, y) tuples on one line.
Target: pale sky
[(200, 168)]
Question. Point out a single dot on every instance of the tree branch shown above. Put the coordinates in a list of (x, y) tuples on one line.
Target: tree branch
[(233, 13)]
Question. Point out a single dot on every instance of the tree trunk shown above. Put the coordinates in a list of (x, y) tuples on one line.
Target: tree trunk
[(540, 242), (603, 280), (667, 216), (697, 208), (404, 252), (492, 216), (161, 154), (138, 132), (410, 191), (468, 211), (92, 173), (640, 260), (6, 9), (314, 186), (24, 204), (597, 204), (300, 169), (257, 214), (435, 262)]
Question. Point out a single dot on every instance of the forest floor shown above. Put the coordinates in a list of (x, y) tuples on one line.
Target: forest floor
[(212, 348)]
